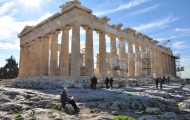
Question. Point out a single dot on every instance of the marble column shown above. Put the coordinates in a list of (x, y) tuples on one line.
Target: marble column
[(75, 51), (54, 53), (21, 68), (131, 65), (137, 61), (38, 57), (89, 53), (31, 59), (64, 53), (143, 61), (166, 60), (102, 54), (161, 63), (122, 58), (152, 55), (26, 59), (113, 55), (157, 63), (164, 63), (45, 55), (169, 64), (148, 61)]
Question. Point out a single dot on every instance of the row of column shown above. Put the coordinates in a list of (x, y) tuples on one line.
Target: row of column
[(34, 56)]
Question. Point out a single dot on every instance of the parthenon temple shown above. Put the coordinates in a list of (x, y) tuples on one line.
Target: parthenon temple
[(41, 56)]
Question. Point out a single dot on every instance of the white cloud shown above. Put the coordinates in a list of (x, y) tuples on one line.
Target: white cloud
[(122, 7), (180, 45), (158, 23), (144, 10), (10, 46), (5, 8)]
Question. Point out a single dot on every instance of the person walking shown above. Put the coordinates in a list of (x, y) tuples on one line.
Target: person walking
[(66, 100), (157, 80), (168, 79), (107, 81), (161, 82), (111, 82), (94, 82)]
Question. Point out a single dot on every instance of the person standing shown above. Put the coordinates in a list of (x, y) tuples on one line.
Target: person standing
[(161, 82), (157, 80), (111, 82), (168, 79), (94, 82), (107, 81)]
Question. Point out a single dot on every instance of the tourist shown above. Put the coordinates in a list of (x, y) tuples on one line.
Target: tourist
[(161, 82), (157, 80), (168, 79), (91, 83), (94, 82), (187, 80), (66, 100), (107, 81), (111, 82), (164, 79)]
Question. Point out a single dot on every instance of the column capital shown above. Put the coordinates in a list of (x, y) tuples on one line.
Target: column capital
[(86, 27), (121, 38), (111, 35), (55, 32), (66, 28), (129, 41), (100, 31), (46, 36)]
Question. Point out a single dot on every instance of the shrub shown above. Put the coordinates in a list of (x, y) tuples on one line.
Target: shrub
[(123, 117)]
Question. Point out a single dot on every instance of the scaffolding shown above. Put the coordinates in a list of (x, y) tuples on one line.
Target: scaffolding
[(178, 66)]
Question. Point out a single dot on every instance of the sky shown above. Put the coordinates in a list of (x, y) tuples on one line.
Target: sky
[(159, 19)]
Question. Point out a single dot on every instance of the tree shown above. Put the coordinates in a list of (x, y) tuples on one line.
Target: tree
[(10, 70)]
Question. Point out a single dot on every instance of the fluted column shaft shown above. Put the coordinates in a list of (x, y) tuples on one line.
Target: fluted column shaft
[(169, 64), (122, 58), (75, 51), (102, 54), (64, 53), (157, 63), (161, 63), (144, 61), (89, 60), (54, 50), (153, 61), (26, 59), (113, 56), (137, 61), (38, 57), (21, 67), (148, 61), (166, 59), (45, 55), (31, 59), (130, 59)]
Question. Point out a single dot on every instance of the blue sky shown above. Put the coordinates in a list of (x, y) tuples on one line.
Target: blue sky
[(159, 19)]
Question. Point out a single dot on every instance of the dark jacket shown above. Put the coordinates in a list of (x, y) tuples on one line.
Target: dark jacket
[(107, 80), (94, 81), (111, 81), (64, 98)]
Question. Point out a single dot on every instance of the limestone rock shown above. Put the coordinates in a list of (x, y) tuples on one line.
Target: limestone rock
[(153, 110), (69, 109), (148, 117), (115, 113), (168, 115)]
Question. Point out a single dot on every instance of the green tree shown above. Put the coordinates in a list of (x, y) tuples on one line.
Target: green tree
[(10, 70)]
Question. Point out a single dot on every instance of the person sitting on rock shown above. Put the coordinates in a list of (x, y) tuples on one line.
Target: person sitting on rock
[(66, 100)]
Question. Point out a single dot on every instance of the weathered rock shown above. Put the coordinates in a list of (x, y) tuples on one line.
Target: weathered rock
[(69, 109), (153, 110), (115, 113), (148, 117), (168, 115)]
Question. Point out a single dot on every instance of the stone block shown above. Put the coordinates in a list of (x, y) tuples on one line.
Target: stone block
[(153, 110), (115, 85)]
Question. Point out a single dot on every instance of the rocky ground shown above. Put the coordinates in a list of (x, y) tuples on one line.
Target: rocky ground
[(142, 103)]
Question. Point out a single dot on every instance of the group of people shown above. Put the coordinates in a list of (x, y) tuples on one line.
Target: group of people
[(93, 82), (162, 81)]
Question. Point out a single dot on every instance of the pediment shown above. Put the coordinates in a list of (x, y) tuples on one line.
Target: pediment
[(26, 28)]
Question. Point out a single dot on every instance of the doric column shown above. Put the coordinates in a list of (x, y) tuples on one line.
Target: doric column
[(89, 54), (26, 59), (54, 54), (64, 53), (75, 51), (102, 54), (166, 60), (21, 67), (161, 63), (38, 57), (157, 63), (172, 63), (131, 65), (122, 58), (152, 56), (45, 56), (169, 64), (113, 55), (148, 61), (143, 61), (31, 59), (164, 63), (137, 61)]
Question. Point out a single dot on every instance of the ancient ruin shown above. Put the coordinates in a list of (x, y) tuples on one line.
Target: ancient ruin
[(39, 50)]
